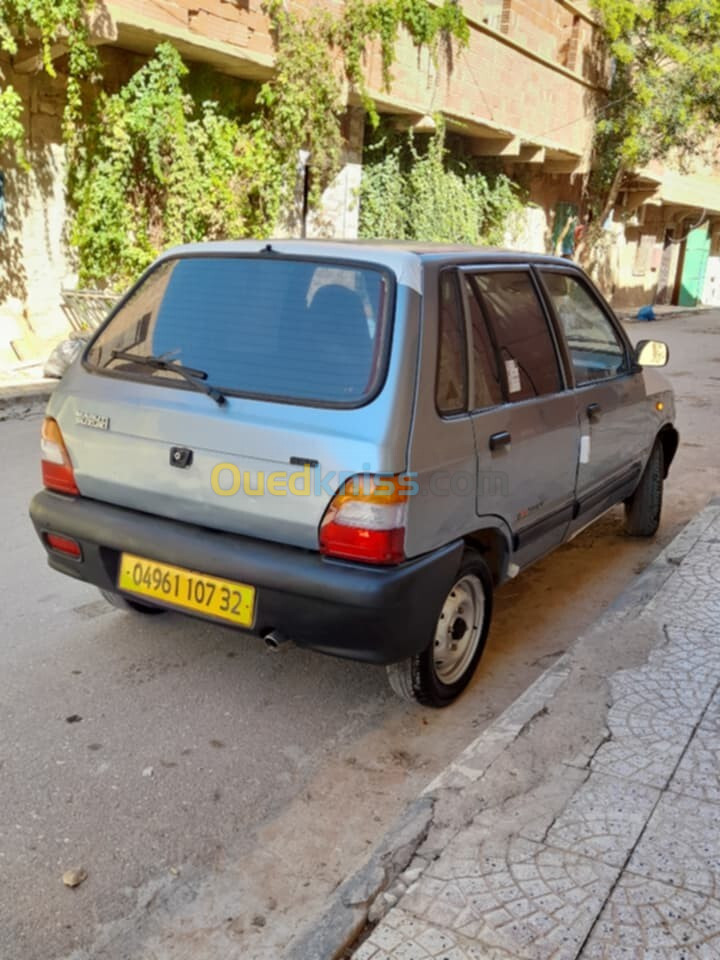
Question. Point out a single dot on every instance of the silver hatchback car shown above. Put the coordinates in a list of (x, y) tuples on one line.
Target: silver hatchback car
[(349, 445)]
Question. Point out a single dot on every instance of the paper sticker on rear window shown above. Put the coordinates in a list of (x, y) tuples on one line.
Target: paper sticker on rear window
[(513, 376)]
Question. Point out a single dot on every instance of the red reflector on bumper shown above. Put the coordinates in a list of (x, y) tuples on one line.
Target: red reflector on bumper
[(63, 545)]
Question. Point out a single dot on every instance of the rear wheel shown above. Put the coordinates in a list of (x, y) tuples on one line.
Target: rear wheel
[(441, 672), (131, 606), (643, 508)]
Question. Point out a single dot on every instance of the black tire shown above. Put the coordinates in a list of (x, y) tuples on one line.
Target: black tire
[(643, 508), (419, 679), (131, 606)]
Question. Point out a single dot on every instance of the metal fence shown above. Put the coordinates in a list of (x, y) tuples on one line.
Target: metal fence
[(86, 309)]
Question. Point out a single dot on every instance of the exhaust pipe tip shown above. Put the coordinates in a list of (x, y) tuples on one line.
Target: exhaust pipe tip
[(276, 641)]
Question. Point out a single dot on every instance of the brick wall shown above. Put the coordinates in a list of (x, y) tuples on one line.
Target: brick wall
[(494, 80), (489, 80), (239, 23)]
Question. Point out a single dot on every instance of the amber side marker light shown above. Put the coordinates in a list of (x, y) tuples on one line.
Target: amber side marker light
[(659, 406), (57, 468)]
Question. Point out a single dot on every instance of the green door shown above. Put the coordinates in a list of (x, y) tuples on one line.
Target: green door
[(697, 250)]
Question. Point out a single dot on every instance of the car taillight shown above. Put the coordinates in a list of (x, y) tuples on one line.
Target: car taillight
[(365, 520), (57, 468)]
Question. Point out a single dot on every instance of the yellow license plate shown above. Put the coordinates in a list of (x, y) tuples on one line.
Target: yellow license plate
[(188, 590)]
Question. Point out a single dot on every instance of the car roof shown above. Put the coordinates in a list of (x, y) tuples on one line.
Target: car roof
[(404, 257)]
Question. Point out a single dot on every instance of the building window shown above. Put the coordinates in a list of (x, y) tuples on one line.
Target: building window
[(496, 14)]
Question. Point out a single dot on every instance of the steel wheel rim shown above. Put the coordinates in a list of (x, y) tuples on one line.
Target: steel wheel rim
[(458, 630)]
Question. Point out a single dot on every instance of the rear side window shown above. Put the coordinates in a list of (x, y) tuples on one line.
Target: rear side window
[(488, 386), (528, 358), (596, 350), (451, 390), (266, 327)]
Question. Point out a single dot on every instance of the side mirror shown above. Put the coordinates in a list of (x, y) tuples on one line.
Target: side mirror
[(652, 353)]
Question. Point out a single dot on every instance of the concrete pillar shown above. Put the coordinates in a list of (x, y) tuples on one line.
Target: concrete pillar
[(338, 214)]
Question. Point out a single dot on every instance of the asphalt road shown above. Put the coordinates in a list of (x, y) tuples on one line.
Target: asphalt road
[(214, 792)]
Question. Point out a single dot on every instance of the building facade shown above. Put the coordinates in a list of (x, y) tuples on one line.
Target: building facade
[(526, 91)]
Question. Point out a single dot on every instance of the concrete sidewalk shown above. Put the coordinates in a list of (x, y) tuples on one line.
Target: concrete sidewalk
[(20, 399), (24, 390), (585, 823)]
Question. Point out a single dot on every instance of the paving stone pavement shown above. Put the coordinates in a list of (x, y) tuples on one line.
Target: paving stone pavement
[(613, 851)]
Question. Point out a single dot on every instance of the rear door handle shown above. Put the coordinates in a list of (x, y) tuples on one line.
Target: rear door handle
[(594, 412), (498, 440)]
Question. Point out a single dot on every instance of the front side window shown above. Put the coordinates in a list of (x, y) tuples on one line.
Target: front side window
[(451, 389), (266, 327), (596, 350), (528, 359)]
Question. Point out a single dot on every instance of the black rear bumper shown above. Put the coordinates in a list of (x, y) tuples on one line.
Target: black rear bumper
[(376, 614)]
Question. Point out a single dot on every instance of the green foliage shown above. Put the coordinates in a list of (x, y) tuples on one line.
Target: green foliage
[(11, 127), (381, 20), (302, 106), (158, 167), (303, 103), (171, 157), (50, 21), (53, 19), (665, 91), (414, 188), (177, 156)]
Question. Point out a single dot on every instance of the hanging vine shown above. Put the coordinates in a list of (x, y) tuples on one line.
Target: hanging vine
[(161, 161), (49, 22), (304, 103), (159, 166), (380, 21), (12, 130), (414, 188)]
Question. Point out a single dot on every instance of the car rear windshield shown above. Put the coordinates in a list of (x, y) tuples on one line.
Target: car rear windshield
[(268, 327)]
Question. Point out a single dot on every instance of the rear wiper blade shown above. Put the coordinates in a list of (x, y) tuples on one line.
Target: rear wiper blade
[(196, 378)]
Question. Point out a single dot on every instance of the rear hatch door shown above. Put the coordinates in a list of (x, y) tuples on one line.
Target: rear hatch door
[(298, 348)]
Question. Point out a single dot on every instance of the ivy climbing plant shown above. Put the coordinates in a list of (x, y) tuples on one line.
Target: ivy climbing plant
[(304, 103), (11, 127), (159, 167), (160, 162), (414, 188), (49, 22), (380, 21)]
